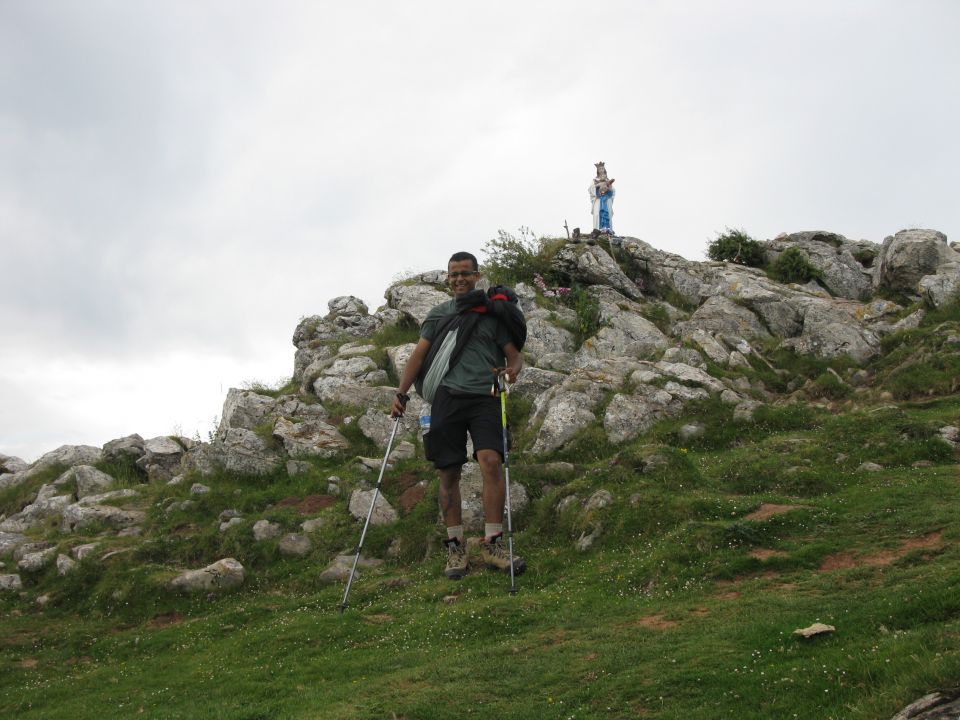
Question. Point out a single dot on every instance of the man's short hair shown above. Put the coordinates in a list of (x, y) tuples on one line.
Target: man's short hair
[(458, 256)]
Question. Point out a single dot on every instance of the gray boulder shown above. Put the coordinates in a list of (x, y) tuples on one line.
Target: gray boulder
[(416, 300), (10, 582), (942, 288), (161, 458), (11, 464), (908, 256), (266, 530), (471, 498), (244, 409), (719, 315), (833, 255), (224, 574), (240, 451), (383, 512), (592, 265), (624, 332), (295, 545), (10, 542), (89, 480), (545, 337), (628, 416), (125, 448), (37, 561), (77, 517), (309, 438)]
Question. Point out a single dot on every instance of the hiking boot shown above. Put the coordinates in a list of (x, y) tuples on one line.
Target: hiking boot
[(456, 559), (497, 557)]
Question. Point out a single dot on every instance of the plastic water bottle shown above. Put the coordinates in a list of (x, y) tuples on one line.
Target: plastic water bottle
[(424, 421)]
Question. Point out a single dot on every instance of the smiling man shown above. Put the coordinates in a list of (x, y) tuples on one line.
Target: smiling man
[(489, 340)]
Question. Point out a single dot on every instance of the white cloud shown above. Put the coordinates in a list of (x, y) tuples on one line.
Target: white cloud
[(180, 183)]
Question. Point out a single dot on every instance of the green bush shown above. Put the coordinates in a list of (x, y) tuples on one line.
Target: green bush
[(517, 258), (737, 247), (792, 266)]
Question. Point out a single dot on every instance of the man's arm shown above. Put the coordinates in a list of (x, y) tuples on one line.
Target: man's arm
[(410, 372), (514, 363)]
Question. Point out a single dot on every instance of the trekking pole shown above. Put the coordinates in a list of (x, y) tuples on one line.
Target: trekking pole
[(502, 383), (376, 494)]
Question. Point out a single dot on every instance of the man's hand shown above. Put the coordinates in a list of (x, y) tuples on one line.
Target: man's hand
[(399, 406)]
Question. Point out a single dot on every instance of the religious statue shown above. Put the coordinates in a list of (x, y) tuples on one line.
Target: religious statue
[(601, 198)]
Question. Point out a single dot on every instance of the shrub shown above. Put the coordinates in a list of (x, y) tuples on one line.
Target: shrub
[(792, 266), (737, 247), (517, 258)]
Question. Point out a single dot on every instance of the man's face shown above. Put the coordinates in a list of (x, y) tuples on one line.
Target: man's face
[(461, 277)]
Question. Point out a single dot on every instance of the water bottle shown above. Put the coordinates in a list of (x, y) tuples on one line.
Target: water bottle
[(424, 421)]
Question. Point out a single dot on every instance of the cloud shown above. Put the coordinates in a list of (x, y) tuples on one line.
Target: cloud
[(188, 180)]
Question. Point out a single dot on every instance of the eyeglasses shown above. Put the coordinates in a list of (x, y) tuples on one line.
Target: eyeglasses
[(462, 274)]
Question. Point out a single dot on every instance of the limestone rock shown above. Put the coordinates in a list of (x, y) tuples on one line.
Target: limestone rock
[(309, 438), (471, 498), (10, 464), (10, 541), (834, 256), (46, 506), (89, 480), (294, 545), (240, 451), (266, 530), (414, 301), (65, 565), (592, 265), (161, 458), (125, 448), (624, 332), (383, 513), (77, 517), (244, 409), (910, 255), (36, 561), (933, 706), (84, 551), (720, 315), (10, 582), (224, 574), (942, 288), (545, 337), (339, 569), (628, 416), (566, 414)]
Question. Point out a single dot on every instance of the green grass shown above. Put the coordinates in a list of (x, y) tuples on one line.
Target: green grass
[(684, 606)]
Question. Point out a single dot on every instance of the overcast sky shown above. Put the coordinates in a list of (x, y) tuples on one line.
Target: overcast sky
[(181, 181)]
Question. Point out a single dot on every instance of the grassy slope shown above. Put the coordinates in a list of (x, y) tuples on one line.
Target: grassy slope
[(684, 608)]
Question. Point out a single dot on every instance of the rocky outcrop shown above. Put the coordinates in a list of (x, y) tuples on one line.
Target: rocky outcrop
[(839, 261), (908, 256)]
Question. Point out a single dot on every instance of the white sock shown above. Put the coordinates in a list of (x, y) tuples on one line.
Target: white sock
[(492, 529), (455, 531)]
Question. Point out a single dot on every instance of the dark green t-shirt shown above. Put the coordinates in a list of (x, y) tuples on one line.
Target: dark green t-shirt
[(484, 350)]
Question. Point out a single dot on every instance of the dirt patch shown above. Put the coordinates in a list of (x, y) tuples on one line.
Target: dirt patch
[(848, 561), (656, 622), (699, 612), (767, 510), (729, 595), (378, 619), (411, 497), (29, 663), (400, 483), (166, 620), (766, 554), (310, 505)]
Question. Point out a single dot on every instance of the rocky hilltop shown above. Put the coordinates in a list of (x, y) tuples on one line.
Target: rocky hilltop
[(662, 334)]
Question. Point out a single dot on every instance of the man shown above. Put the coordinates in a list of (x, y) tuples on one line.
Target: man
[(464, 402)]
